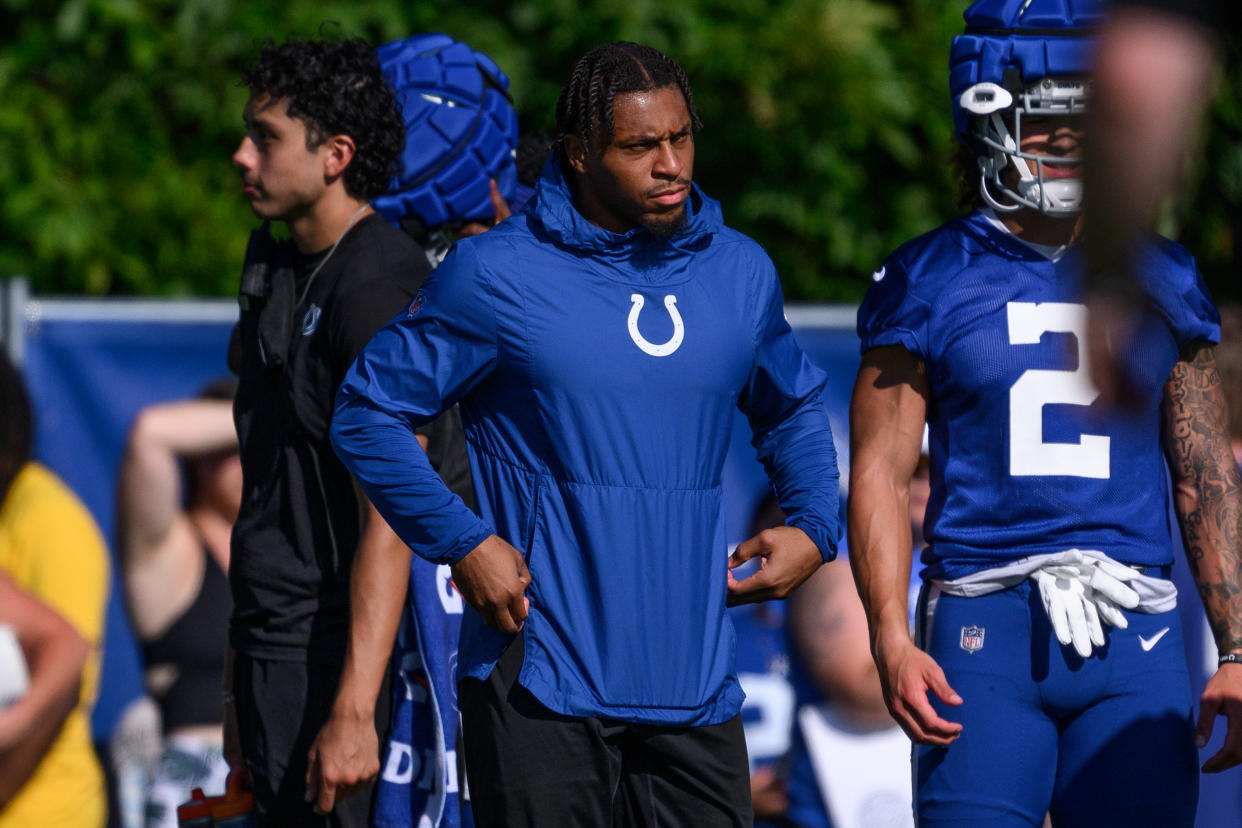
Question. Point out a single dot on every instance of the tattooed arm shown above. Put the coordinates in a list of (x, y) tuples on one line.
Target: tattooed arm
[(1207, 493)]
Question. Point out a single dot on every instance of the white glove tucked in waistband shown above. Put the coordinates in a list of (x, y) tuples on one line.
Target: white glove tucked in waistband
[(1082, 590), (1081, 594)]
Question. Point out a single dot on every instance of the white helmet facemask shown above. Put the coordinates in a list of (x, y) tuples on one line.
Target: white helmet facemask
[(990, 103)]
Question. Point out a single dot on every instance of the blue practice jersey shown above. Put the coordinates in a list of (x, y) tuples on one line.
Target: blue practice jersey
[(1023, 461), (598, 376)]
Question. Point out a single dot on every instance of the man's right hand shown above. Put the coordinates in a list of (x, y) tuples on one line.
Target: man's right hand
[(343, 760), (907, 674), (493, 578)]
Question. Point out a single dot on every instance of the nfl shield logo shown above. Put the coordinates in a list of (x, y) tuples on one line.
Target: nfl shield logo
[(972, 639), (417, 304)]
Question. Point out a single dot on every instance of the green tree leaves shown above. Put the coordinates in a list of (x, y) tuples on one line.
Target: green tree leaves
[(827, 131)]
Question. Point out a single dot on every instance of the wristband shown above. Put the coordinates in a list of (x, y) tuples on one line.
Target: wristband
[(1230, 658)]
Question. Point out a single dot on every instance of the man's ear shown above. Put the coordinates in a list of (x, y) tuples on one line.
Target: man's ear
[(338, 152), (576, 153)]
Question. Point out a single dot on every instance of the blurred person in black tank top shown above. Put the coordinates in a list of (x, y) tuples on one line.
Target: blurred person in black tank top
[(175, 551)]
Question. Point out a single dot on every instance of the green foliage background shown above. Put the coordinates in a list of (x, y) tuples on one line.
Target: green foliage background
[(827, 128)]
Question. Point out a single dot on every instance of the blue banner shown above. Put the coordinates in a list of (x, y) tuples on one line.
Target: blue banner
[(90, 367)]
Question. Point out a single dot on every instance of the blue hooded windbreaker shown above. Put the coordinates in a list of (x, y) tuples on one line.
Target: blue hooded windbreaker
[(597, 375)]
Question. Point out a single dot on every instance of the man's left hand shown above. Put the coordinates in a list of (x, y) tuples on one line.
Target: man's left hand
[(1222, 697), (787, 558), (343, 760)]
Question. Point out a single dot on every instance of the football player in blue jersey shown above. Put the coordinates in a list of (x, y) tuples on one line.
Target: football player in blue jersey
[(1048, 674), (600, 342)]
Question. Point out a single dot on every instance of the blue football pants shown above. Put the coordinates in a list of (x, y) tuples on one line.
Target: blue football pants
[(1104, 741)]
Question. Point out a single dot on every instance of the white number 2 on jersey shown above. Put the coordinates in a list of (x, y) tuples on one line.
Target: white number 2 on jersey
[(1029, 455)]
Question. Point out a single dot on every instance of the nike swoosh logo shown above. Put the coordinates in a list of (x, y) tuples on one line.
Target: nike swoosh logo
[(1148, 643)]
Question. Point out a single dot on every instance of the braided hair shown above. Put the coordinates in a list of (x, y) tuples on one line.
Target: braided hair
[(585, 104)]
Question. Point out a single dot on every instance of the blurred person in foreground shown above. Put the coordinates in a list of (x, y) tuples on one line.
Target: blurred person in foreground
[(42, 679), (51, 549), (1153, 77), (1049, 671), (458, 178), (175, 558), (323, 133), (596, 669)]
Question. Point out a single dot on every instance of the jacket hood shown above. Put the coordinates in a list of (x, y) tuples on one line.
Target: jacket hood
[(552, 209)]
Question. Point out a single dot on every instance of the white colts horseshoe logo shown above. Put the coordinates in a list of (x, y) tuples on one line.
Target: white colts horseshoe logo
[(679, 329)]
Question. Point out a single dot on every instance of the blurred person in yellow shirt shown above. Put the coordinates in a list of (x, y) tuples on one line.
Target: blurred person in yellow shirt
[(51, 548)]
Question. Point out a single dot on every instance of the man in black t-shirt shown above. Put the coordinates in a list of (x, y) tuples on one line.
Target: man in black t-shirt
[(322, 136), (1152, 80)]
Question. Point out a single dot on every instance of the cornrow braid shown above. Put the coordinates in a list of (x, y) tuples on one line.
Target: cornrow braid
[(585, 104)]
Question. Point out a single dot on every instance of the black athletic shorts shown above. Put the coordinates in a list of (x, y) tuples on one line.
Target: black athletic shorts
[(280, 707), (528, 766)]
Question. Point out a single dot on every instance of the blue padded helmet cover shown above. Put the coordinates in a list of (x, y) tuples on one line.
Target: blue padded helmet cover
[(1035, 38), (461, 131)]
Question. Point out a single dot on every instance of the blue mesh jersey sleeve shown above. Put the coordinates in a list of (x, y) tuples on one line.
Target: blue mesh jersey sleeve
[(891, 314), (783, 400), (1179, 293), (418, 366)]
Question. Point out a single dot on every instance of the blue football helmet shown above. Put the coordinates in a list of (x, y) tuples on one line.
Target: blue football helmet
[(1019, 58), (461, 131)]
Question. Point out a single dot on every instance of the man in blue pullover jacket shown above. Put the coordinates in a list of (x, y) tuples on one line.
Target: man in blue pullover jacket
[(598, 344)]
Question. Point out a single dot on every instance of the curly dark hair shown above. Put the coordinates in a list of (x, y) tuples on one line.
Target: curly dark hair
[(336, 88), (17, 434), (585, 104)]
